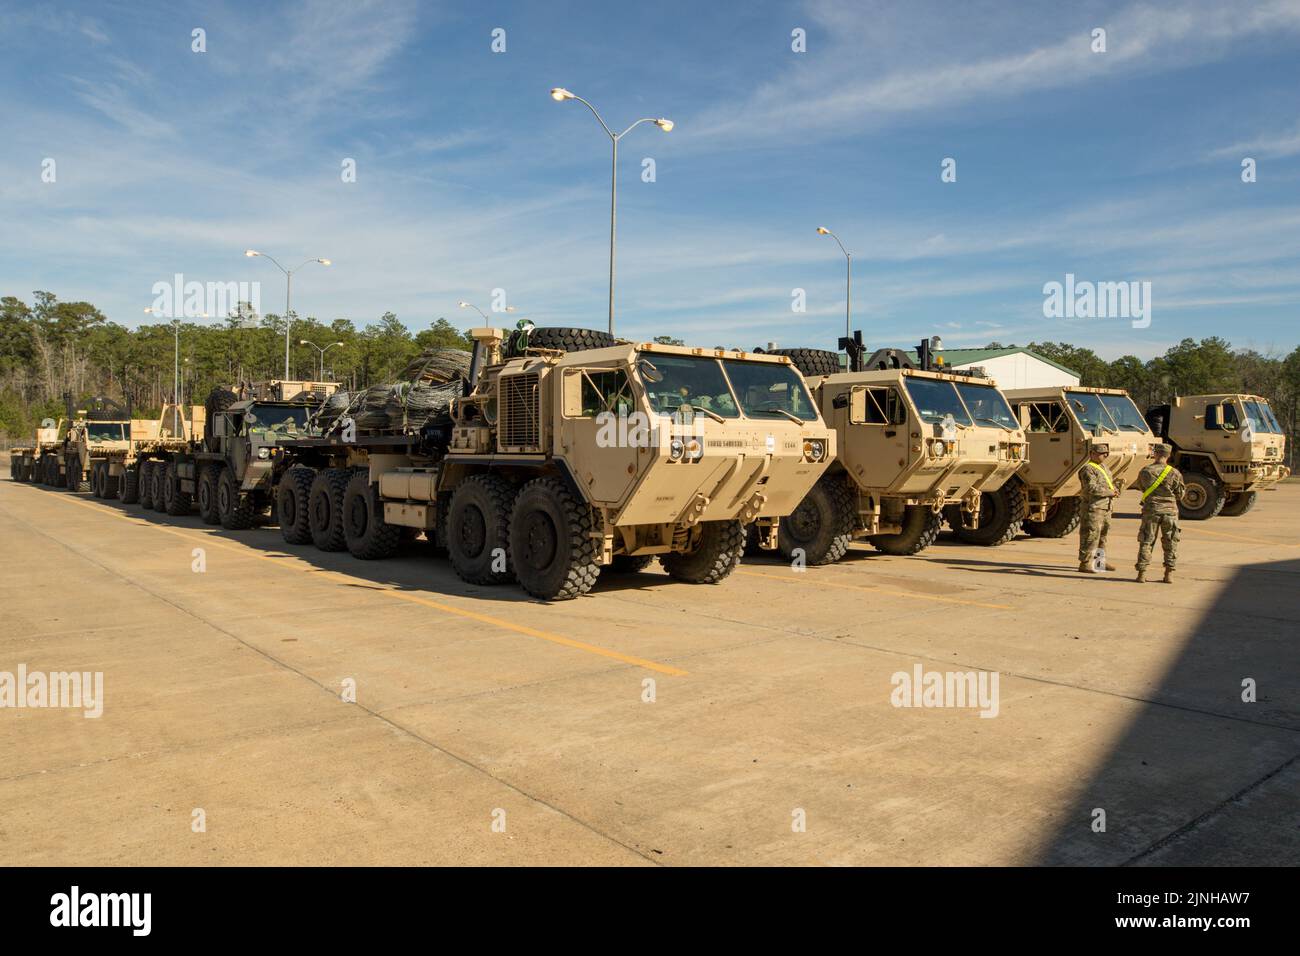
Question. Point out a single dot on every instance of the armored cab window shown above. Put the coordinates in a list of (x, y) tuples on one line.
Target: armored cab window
[(936, 400), (1222, 417), (1047, 417), (687, 380), (986, 405), (1125, 413), (1091, 412), (767, 390), (880, 406), (606, 391), (1259, 417)]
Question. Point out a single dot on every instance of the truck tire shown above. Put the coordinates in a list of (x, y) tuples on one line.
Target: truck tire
[(631, 564), (76, 476), (811, 361), (1062, 518), (569, 340), (1239, 503), (325, 508), (1002, 512), (716, 556), (158, 486), (146, 485), (920, 528), (176, 502), (1203, 498), (368, 536), (218, 400), (821, 527), (551, 546), (111, 483), (209, 476), (478, 524), (96, 481), (235, 511), (130, 489), (51, 471), (292, 505)]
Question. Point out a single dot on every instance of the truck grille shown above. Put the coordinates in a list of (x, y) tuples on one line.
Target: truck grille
[(519, 422)]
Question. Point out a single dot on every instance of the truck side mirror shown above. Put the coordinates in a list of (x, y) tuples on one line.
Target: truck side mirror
[(1022, 414), (572, 393), (858, 406)]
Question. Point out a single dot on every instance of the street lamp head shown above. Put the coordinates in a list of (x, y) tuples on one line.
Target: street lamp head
[(664, 124), (323, 262), (251, 252), (463, 305), (510, 308), (340, 344), (303, 342), (559, 94), (823, 231)]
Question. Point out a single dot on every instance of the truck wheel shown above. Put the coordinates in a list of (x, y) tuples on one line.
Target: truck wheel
[(292, 505), (631, 564), (569, 340), (920, 528), (112, 483), (715, 557), (209, 476), (235, 511), (146, 485), (325, 508), (1238, 504), (76, 476), (821, 527), (178, 502), (812, 361), (1203, 498), (478, 529), (96, 481), (551, 546), (1002, 512), (1062, 518), (158, 486), (131, 485), (218, 400), (368, 535)]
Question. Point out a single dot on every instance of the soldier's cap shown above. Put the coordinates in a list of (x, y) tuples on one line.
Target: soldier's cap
[(1161, 450), (1099, 448)]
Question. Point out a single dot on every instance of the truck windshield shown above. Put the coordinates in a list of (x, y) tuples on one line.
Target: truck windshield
[(1261, 417), (986, 405), (107, 431), (1090, 411), (686, 380), (1125, 413), (768, 390), (936, 399), (278, 419)]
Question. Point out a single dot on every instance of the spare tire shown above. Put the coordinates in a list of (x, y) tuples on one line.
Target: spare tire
[(567, 340), (811, 361), (218, 400)]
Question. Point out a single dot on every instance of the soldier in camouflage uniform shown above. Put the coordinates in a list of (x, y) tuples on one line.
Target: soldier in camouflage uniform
[(1097, 493), (1162, 487)]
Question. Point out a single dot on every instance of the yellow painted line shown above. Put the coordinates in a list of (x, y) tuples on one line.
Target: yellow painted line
[(1197, 530), (877, 590), (209, 540)]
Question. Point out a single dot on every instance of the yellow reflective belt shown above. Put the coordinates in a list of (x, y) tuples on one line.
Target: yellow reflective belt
[(1156, 484), (1105, 474)]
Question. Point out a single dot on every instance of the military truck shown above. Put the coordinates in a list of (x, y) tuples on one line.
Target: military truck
[(915, 440), (231, 470), (102, 427), (1061, 424), (568, 451), (1228, 447), (116, 473), (34, 462)]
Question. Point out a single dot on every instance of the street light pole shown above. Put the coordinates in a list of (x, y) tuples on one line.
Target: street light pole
[(471, 305), (322, 352), (560, 94), (848, 280), (288, 293), (176, 354)]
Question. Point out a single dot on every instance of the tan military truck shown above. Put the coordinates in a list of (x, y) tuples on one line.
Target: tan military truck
[(117, 472), (101, 428), (37, 462), (1061, 423), (567, 452), (1228, 447), (915, 441)]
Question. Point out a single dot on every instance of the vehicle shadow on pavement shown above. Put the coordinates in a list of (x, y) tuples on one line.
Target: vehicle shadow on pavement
[(417, 566), (1220, 785), (1068, 572)]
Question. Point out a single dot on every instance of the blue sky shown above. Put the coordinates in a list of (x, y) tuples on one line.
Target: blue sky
[(1122, 166)]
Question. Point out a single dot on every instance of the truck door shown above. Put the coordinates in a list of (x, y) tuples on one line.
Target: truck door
[(603, 434)]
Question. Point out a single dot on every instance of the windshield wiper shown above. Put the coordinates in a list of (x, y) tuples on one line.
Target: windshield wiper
[(697, 408), (780, 411), (985, 418)]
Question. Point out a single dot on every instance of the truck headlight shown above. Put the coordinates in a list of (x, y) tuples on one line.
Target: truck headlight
[(814, 449), (676, 448), (263, 453), (694, 449)]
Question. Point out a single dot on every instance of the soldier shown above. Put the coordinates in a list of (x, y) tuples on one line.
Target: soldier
[(1097, 493), (1162, 487)]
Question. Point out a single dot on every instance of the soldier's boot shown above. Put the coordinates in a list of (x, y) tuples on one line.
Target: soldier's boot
[(1142, 576), (1169, 576), (1109, 566), (1086, 567)]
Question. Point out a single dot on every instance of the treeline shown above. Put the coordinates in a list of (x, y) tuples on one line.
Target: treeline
[(50, 349)]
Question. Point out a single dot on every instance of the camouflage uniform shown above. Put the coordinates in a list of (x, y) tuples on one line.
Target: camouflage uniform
[(1095, 502), (1159, 515)]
